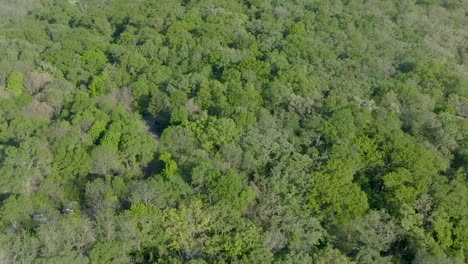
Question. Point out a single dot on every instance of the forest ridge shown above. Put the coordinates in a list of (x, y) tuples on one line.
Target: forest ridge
[(234, 131)]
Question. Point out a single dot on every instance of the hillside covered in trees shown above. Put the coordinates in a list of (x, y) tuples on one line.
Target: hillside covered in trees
[(234, 131)]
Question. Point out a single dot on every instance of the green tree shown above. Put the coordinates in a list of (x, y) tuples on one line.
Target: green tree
[(15, 83), (137, 149), (19, 248), (108, 252), (25, 166), (99, 84), (94, 61), (345, 202), (104, 160), (177, 140), (187, 229)]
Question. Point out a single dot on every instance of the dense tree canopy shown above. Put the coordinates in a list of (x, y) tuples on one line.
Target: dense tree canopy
[(233, 131)]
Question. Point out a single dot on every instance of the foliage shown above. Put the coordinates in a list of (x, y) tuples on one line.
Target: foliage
[(233, 131)]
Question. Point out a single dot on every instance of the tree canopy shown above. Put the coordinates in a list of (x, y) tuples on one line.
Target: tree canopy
[(253, 131)]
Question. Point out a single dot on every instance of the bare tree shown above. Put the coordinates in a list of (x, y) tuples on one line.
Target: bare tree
[(34, 81)]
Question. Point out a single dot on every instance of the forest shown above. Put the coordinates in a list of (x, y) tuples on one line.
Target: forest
[(234, 131)]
